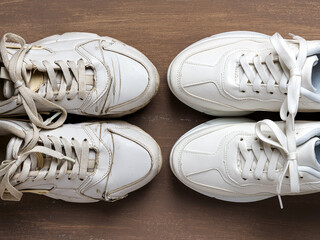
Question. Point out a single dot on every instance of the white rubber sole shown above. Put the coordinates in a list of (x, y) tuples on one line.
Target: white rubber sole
[(244, 34), (214, 123)]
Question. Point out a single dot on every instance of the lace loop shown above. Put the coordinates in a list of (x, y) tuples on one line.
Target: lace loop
[(294, 65), (288, 147)]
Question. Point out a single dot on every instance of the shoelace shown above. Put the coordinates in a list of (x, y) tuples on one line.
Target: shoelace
[(289, 83), (24, 164), (69, 85), (289, 80), (268, 158), (291, 70)]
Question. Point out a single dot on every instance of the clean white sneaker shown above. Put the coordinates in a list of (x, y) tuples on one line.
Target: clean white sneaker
[(239, 160), (84, 162), (79, 73), (235, 73)]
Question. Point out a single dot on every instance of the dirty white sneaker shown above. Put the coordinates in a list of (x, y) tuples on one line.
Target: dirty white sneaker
[(239, 160), (235, 73), (79, 73), (84, 162)]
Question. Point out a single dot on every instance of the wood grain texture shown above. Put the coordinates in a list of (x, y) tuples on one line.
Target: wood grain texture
[(165, 208)]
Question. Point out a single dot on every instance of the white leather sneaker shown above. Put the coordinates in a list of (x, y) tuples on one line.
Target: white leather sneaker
[(84, 162), (79, 73), (235, 73), (239, 160)]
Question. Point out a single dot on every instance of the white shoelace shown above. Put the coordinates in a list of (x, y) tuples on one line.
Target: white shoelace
[(291, 70), (289, 82), (70, 84), (63, 157), (268, 158)]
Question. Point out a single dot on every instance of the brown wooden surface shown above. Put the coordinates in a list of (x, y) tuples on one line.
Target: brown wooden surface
[(165, 208)]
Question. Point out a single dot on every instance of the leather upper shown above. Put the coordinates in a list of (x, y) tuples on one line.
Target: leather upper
[(206, 75), (208, 160), (124, 79), (126, 158)]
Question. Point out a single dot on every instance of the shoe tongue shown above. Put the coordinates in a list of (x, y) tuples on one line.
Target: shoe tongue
[(313, 47), (308, 154), (37, 80), (307, 73)]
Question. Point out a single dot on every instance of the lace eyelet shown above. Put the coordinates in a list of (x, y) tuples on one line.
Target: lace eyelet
[(72, 138), (85, 140), (301, 177), (243, 91), (68, 99), (271, 92), (286, 176), (81, 179), (256, 139), (241, 139), (269, 136), (257, 91), (258, 179), (69, 179), (244, 179)]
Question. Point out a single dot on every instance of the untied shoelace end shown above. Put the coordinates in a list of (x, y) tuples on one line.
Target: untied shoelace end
[(68, 159), (280, 201)]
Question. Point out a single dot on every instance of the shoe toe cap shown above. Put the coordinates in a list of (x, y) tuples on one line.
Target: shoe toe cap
[(136, 82), (192, 81), (136, 161), (187, 163), (197, 159)]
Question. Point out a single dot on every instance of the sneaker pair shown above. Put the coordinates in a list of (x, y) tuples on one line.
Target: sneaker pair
[(84, 74), (233, 74)]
